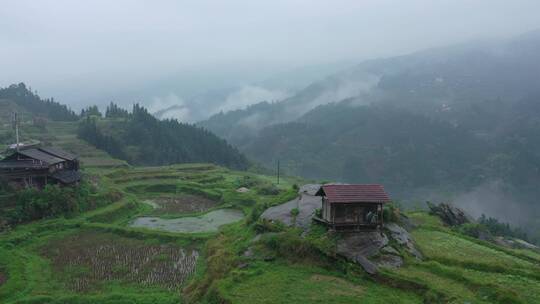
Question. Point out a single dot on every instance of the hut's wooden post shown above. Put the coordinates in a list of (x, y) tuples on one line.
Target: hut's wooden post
[(381, 214)]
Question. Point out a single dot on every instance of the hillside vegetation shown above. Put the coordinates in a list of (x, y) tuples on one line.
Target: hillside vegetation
[(444, 124), (98, 256), (141, 139), (457, 116), (134, 137), (32, 103)]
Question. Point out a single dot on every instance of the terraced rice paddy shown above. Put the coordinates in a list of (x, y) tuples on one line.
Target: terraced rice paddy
[(297, 284), (100, 256), (445, 247), (186, 203), (209, 222), (86, 260)]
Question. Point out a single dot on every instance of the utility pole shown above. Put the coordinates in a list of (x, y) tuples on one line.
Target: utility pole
[(16, 127), (278, 172)]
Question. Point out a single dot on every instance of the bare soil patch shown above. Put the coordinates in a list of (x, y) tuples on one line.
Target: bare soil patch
[(183, 204), (86, 260)]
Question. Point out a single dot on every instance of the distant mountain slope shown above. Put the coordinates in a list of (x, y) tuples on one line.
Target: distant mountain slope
[(457, 123), (425, 82), (228, 90), (31, 102), (375, 143), (140, 138), (446, 104)]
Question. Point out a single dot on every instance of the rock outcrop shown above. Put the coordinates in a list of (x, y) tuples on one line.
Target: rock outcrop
[(369, 249), (372, 249), (403, 238), (515, 243), (358, 247), (449, 214)]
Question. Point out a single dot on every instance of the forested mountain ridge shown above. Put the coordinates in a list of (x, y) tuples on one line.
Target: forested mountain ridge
[(427, 82), (136, 137), (31, 102), (141, 139), (483, 94)]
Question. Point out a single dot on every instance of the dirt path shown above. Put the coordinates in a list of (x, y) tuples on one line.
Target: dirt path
[(306, 204)]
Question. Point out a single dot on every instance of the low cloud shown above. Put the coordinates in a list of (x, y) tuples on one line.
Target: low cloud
[(249, 95), (170, 107), (252, 121), (492, 199), (346, 88)]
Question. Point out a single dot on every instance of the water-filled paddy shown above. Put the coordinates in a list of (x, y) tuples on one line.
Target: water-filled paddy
[(180, 204), (209, 222)]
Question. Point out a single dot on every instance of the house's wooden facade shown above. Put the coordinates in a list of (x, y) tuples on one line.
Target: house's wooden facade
[(352, 207), (37, 167)]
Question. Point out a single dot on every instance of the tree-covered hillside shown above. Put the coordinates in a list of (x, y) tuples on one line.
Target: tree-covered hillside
[(372, 144), (426, 82), (140, 138), (31, 102), (440, 124)]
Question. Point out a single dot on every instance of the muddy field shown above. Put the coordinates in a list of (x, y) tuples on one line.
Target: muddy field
[(185, 203), (86, 260)]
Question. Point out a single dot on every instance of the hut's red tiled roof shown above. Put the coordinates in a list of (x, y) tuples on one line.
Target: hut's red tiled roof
[(366, 193)]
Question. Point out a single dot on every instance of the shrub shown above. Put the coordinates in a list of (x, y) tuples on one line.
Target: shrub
[(256, 212), (54, 201), (290, 245), (264, 225), (246, 181), (391, 213), (268, 190), (475, 230), (501, 229)]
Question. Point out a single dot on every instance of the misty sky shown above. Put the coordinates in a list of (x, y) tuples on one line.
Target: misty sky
[(95, 51)]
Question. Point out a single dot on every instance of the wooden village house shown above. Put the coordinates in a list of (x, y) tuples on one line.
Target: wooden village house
[(352, 207), (36, 167)]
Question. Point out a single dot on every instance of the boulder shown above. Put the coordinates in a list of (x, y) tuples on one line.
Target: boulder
[(390, 261), (309, 189), (365, 243), (366, 264), (450, 215), (242, 190), (515, 243), (403, 237), (389, 250)]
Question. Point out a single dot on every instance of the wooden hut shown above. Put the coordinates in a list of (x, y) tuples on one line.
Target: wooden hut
[(37, 167), (352, 207)]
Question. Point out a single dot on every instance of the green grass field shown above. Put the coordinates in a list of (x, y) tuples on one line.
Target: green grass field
[(96, 257)]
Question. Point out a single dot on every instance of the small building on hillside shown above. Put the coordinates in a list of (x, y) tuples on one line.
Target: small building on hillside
[(36, 167), (352, 207)]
